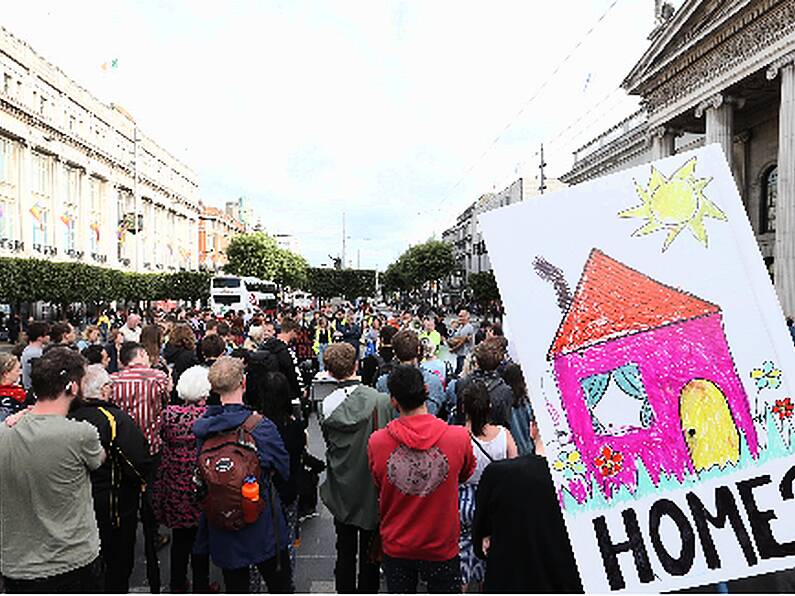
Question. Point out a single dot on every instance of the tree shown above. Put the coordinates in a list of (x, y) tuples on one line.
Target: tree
[(30, 280), (292, 270), (431, 261), (396, 278), (484, 286), (255, 255), (348, 283)]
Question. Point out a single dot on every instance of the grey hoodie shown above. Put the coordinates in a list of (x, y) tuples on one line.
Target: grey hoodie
[(348, 491)]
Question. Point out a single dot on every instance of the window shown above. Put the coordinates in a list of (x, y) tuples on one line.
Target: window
[(42, 174), (4, 159), (69, 215), (227, 300), (226, 282), (6, 83), (617, 401), (9, 214), (42, 199), (769, 196)]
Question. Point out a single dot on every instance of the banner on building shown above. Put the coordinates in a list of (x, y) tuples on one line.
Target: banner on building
[(661, 373)]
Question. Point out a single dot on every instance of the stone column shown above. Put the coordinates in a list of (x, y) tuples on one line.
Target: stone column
[(718, 111), (25, 188), (784, 263), (662, 140)]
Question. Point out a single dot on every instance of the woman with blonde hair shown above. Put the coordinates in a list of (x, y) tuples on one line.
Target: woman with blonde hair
[(12, 394), (90, 337)]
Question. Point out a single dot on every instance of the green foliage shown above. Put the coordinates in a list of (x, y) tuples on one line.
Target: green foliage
[(484, 286), (431, 261), (30, 280), (255, 255), (258, 255), (293, 270), (348, 283)]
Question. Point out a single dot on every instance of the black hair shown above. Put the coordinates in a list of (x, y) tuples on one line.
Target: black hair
[(386, 334), (213, 346), (58, 331), (407, 386), (128, 351), (241, 354), (51, 374), (276, 403), (38, 329), (477, 406), (513, 377), (93, 354)]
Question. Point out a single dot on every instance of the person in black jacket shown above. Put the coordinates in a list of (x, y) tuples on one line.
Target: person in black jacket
[(375, 365), (286, 362), (276, 406), (518, 529), (116, 484)]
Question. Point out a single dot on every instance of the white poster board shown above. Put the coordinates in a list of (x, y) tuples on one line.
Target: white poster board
[(660, 370)]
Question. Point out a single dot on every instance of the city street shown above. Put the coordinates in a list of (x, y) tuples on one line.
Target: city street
[(315, 565)]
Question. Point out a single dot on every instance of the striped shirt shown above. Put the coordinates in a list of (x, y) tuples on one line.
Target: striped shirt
[(142, 392)]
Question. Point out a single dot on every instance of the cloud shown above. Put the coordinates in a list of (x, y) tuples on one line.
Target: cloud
[(375, 109)]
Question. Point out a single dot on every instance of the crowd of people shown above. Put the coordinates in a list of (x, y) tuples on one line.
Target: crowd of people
[(195, 427)]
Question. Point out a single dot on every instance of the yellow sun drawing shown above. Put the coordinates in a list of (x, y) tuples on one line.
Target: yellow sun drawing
[(673, 204)]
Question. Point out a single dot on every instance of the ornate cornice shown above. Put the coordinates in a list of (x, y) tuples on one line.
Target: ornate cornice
[(717, 101), (754, 38), (689, 40), (658, 132), (777, 65)]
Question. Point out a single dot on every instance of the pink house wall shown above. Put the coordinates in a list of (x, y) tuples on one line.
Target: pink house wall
[(668, 358)]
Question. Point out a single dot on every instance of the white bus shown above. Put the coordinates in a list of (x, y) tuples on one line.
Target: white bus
[(249, 294)]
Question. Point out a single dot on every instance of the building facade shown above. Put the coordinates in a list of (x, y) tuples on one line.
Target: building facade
[(466, 237), (216, 230), (719, 71), (75, 173)]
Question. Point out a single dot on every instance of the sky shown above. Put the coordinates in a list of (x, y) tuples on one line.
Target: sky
[(397, 113)]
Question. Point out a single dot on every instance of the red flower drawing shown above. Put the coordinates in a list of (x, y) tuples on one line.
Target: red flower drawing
[(784, 408), (609, 462)]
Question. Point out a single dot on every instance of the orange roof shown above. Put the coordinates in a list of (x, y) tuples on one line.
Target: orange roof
[(613, 300)]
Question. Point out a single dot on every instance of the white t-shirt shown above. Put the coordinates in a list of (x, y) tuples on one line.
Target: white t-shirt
[(131, 334), (497, 448)]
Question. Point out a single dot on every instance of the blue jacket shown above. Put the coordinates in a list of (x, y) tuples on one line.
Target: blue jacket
[(435, 389), (257, 542)]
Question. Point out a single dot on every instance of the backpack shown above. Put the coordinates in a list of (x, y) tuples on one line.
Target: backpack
[(259, 364), (384, 367), (224, 462)]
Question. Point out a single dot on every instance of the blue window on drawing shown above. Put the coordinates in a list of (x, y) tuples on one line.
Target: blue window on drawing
[(617, 401)]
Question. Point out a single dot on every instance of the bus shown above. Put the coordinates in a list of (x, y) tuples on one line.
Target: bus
[(249, 294)]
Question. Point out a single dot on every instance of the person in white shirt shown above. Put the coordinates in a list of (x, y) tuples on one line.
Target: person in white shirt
[(131, 330)]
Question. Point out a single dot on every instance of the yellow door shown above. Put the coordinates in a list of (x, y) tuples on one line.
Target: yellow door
[(708, 426)]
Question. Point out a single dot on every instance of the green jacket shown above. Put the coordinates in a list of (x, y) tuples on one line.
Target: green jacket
[(348, 491)]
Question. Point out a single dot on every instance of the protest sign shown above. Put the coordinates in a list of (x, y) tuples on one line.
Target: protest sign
[(660, 369)]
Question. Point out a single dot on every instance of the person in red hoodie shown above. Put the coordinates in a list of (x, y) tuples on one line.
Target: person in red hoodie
[(417, 462)]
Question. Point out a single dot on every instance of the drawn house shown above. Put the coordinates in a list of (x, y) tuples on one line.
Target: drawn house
[(646, 375)]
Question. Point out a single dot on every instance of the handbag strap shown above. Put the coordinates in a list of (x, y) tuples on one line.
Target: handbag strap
[(486, 453)]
